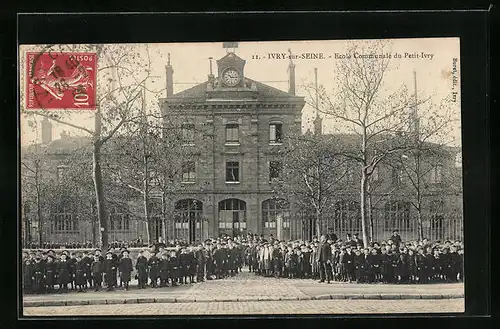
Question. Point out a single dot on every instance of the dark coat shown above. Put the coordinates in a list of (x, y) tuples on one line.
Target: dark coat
[(96, 268), (396, 239), (165, 268), (80, 273), (325, 252), (125, 268), (50, 273), (27, 274), (110, 271), (63, 272), (154, 267), (360, 262), (141, 266)]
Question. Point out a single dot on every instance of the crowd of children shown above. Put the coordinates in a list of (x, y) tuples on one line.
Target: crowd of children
[(329, 259), (325, 259), (156, 267)]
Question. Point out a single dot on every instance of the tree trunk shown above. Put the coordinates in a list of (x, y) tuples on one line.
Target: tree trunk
[(99, 193), (94, 226), (164, 217), (370, 216), (40, 219), (146, 217), (363, 205), (38, 204), (318, 223), (420, 224)]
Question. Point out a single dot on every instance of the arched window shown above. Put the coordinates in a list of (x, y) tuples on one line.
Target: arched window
[(232, 217), (437, 219), (276, 218), (63, 219), (397, 215), (347, 218), (119, 220), (188, 219)]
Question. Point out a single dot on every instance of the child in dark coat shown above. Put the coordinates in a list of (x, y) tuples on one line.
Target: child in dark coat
[(96, 270), (125, 269)]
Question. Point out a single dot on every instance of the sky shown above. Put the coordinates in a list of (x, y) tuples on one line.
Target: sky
[(191, 66)]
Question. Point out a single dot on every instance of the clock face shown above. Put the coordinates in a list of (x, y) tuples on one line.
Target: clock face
[(231, 77)]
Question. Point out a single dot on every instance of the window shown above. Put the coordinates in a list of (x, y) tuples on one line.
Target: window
[(232, 216), (397, 215), (347, 217), (188, 217), (436, 174), (188, 172), (188, 133), (232, 172), (274, 212), (437, 219), (275, 133), (118, 220), (232, 132), (64, 223), (275, 169)]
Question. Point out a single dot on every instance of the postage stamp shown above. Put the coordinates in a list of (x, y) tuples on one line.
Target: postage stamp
[(61, 80)]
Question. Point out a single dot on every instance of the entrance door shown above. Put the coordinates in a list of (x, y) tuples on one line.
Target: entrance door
[(232, 217)]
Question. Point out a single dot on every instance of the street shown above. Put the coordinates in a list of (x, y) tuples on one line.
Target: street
[(269, 307), (247, 293)]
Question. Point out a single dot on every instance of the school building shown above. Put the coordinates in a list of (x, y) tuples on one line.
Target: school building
[(234, 130)]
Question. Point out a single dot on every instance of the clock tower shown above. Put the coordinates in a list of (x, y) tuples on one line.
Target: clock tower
[(230, 71)]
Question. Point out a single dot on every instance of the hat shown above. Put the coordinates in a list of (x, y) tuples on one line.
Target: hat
[(50, 256), (125, 251), (109, 253), (98, 250)]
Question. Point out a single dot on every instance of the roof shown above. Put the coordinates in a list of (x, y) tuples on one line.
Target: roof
[(264, 93), (67, 143)]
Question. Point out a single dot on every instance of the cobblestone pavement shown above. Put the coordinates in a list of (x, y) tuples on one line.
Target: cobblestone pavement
[(249, 287), (276, 307), (245, 285)]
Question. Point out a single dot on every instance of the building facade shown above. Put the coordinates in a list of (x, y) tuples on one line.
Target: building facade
[(235, 131)]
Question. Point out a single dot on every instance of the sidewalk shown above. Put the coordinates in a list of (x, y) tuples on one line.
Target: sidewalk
[(248, 287)]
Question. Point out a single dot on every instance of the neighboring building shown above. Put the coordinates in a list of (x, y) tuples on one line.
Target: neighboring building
[(234, 132)]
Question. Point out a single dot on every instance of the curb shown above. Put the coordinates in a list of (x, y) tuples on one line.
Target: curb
[(244, 299)]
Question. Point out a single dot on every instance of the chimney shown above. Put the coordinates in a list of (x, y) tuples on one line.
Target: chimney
[(170, 77), (211, 76), (46, 131), (291, 75)]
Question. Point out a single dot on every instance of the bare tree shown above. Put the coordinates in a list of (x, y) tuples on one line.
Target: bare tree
[(424, 165), (364, 106), (120, 83), (314, 172)]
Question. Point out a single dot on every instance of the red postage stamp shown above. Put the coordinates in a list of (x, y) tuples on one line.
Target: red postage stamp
[(61, 80)]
